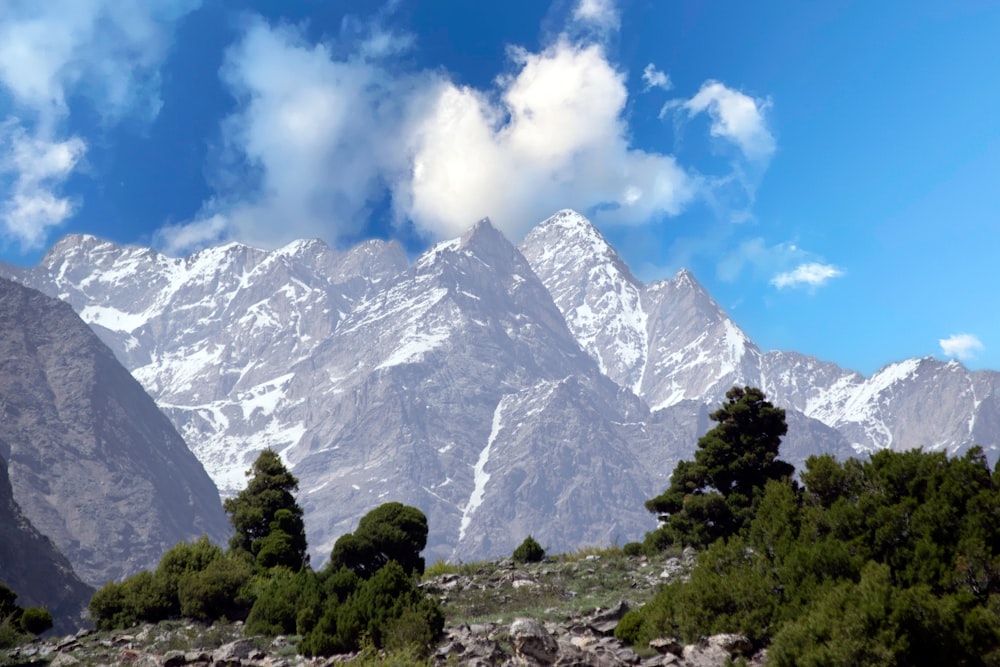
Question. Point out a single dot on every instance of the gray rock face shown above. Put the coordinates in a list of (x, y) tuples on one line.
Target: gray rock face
[(94, 465), (502, 390), (34, 569)]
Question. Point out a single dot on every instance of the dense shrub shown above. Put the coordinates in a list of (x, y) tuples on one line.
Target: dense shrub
[(285, 600), (36, 620), (387, 610), (633, 549), (529, 551), (390, 532), (895, 561), (217, 592), (10, 615), (149, 597)]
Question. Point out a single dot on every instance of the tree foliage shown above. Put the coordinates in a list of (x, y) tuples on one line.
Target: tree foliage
[(15, 620), (715, 495), (368, 593), (390, 532), (529, 551), (266, 518), (891, 561)]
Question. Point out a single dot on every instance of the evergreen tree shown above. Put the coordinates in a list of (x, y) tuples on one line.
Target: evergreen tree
[(266, 518), (714, 495)]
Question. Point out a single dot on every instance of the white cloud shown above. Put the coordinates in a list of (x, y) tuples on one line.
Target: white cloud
[(37, 167), (811, 275), (326, 137), (180, 238), (556, 138), (107, 51), (735, 116), (961, 346), (600, 14), (654, 78), (319, 135)]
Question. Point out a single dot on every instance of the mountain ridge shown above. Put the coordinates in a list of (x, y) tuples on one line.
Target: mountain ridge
[(503, 389), (93, 463)]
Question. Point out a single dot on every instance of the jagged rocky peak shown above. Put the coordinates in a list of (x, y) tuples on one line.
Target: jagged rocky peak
[(568, 237), (480, 255), (598, 296), (486, 241)]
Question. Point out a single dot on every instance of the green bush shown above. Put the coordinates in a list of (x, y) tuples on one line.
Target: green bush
[(633, 549), (10, 615), (390, 532), (36, 620), (895, 560), (282, 600), (216, 592), (529, 551), (629, 626), (387, 610)]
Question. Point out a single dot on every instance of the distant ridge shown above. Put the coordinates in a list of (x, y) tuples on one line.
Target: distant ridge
[(504, 390)]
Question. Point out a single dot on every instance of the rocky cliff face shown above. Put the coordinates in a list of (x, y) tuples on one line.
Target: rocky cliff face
[(33, 568), (541, 389), (93, 463)]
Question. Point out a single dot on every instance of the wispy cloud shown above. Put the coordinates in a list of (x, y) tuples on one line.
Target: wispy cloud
[(36, 167), (600, 14), (654, 78), (961, 346), (811, 275), (104, 52), (736, 117)]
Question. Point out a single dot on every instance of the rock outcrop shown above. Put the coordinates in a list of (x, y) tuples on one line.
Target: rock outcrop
[(94, 464), (32, 567)]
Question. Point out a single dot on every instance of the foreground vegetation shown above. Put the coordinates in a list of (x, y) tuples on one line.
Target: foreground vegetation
[(18, 623), (892, 561), (367, 593)]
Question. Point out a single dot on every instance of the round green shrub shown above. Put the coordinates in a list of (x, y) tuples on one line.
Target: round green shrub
[(529, 551), (36, 620)]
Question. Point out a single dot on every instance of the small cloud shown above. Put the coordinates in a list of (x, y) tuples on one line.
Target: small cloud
[(654, 78), (735, 116), (185, 238), (39, 166), (601, 14), (811, 275), (960, 346)]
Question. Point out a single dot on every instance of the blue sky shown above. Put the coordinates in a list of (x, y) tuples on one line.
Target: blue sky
[(829, 171)]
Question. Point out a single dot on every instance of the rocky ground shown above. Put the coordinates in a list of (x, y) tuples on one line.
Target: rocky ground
[(560, 612)]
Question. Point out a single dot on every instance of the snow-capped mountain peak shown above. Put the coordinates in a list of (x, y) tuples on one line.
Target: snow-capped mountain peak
[(504, 390), (596, 293)]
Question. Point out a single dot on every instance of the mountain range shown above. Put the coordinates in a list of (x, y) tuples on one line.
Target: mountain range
[(505, 390)]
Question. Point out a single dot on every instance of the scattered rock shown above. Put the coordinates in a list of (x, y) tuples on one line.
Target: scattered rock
[(533, 645)]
